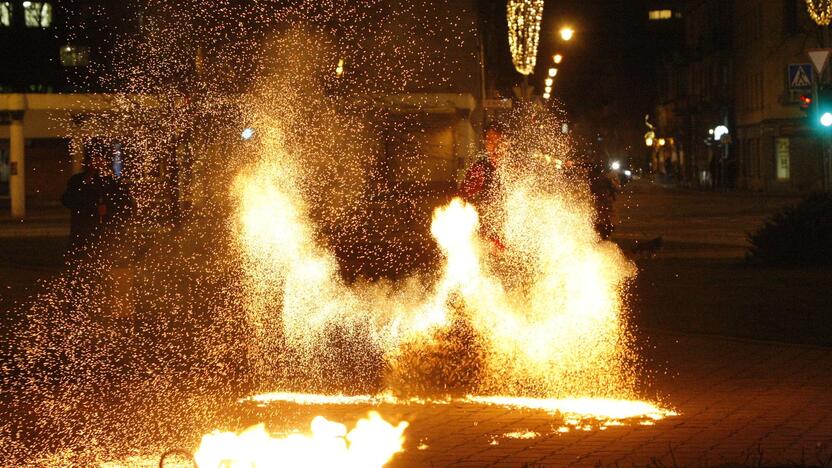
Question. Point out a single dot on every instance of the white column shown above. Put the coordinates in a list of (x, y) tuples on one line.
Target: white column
[(76, 152), (17, 163)]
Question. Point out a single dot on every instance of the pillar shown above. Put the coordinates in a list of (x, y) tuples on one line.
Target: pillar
[(76, 152), (17, 166)]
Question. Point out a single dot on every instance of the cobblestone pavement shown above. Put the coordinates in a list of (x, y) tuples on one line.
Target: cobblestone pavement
[(745, 402)]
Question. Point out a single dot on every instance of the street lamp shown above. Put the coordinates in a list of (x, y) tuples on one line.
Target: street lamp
[(557, 58), (549, 82), (553, 72), (566, 33), (719, 132)]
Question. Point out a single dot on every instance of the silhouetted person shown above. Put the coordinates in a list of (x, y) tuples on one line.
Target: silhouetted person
[(603, 190), (730, 178), (715, 168), (95, 198)]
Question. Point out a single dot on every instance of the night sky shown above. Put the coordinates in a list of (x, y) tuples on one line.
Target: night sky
[(607, 78)]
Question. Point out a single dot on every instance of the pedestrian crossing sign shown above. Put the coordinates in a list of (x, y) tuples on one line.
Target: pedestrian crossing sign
[(800, 75)]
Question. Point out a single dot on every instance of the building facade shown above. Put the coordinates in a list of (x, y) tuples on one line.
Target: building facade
[(735, 72), (47, 83)]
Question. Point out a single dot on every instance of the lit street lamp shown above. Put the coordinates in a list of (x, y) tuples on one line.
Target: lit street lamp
[(557, 58), (566, 33), (553, 72)]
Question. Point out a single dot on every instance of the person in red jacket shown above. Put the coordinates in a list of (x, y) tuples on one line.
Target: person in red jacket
[(481, 185)]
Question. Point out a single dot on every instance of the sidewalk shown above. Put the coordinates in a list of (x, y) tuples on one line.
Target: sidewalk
[(742, 402), (694, 223), (46, 221)]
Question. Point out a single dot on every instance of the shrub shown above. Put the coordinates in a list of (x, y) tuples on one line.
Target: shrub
[(800, 235)]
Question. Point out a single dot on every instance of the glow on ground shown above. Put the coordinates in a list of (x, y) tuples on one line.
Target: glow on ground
[(582, 408), (570, 408), (319, 399)]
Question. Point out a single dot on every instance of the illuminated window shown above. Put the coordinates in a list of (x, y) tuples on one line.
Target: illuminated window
[(5, 14), (658, 15), (75, 56), (37, 14)]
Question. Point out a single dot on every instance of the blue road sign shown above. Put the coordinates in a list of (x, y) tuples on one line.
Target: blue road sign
[(800, 75)]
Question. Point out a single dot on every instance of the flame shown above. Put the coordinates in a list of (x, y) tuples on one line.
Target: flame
[(608, 411), (371, 443), (582, 408)]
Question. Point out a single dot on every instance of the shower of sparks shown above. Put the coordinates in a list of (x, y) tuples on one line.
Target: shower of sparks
[(542, 317), (262, 185), (371, 443)]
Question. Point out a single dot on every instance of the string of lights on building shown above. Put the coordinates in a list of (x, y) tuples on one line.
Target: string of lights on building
[(524, 17), (820, 11)]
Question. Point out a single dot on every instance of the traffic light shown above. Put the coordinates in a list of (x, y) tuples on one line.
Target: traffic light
[(806, 103), (818, 110), (824, 107)]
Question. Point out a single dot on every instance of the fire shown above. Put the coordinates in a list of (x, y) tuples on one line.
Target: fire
[(544, 311), (609, 411), (455, 227), (371, 443), (606, 409)]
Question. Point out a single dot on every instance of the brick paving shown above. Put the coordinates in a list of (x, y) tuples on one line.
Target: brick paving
[(743, 402)]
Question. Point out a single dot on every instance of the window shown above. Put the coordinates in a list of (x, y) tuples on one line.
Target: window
[(781, 152), (790, 17), (37, 14), (75, 55), (5, 14), (659, 15)]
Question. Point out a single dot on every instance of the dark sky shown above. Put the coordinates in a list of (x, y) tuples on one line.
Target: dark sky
[(608, 73)]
